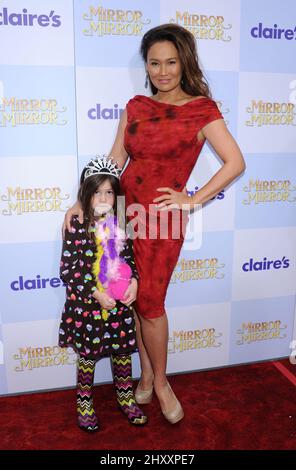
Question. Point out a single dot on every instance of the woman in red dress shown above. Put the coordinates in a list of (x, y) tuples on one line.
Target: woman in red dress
[(163, 136)]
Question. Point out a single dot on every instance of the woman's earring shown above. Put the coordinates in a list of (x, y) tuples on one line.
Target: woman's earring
[(146, 81)]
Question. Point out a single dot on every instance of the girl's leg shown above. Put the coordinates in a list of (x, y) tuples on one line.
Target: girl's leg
[(122, 375), (155, 338), (87, 419)]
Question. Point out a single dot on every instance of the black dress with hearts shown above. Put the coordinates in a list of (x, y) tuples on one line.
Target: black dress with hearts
[(87, 328)]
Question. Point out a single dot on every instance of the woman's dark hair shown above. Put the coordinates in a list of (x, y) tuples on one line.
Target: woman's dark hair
[(86, 191), (193, 81)]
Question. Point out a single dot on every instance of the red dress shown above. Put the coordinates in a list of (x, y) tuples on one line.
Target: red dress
[(161, 140)]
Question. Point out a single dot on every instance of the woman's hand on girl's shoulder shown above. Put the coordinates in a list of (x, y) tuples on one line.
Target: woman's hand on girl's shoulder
[(74, 210)]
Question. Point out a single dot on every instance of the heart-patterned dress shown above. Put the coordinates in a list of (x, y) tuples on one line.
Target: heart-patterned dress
[(90, 330)]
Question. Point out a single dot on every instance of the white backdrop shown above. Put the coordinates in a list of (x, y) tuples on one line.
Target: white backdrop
[(66, 70)]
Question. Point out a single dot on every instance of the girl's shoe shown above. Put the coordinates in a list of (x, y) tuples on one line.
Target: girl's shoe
[(122, 375), (87, 419), (89, 426)]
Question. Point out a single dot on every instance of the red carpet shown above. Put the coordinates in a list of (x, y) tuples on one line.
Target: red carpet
[(245, 407)]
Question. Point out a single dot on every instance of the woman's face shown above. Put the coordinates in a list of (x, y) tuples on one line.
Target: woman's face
[(103, 200), (164, 66)]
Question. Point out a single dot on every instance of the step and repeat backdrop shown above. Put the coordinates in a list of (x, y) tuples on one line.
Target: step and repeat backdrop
[(67, 70)]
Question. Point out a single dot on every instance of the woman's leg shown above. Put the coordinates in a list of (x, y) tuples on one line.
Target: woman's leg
[(155, 338), (147, 375)]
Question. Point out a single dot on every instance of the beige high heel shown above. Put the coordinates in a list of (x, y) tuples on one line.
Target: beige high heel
[(143, 397), (176, 414)]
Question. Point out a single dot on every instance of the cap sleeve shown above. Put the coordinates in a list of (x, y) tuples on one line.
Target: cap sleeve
[(211, 113), (132, 108)]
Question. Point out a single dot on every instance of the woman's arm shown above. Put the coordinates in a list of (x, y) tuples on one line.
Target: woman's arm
[(74, 210), (118, 151), (226, 147)]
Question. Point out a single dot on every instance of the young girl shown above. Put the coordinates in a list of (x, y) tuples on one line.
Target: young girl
[(98, 267)]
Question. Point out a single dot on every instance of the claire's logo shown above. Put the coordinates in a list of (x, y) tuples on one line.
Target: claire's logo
[(28, 19), (266, 265), (220, 195), (273, 32), (37, 283), (99, 112)]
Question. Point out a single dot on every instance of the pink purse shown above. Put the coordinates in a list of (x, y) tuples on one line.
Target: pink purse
[(117, 289)]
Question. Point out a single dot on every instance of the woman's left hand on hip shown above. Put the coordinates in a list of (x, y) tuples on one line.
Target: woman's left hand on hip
[(173, 199)]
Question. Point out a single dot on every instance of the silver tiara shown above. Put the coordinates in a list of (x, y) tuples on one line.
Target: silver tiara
[(102, 166)]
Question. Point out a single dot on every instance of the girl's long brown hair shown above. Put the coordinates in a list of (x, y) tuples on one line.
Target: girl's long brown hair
[(86, 191), (193, 81)]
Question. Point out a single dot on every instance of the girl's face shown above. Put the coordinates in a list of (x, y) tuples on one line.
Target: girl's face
[(164, 66), (103, 200)]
